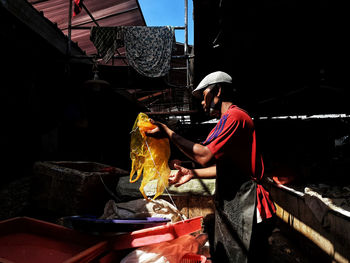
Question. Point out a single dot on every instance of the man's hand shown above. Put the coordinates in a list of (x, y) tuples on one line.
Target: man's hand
[(173, 162), (159, 131), (183, 175)]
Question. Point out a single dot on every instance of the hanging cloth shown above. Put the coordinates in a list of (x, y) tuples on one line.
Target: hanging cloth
[(149, 49), (107, 40), (78, 4)]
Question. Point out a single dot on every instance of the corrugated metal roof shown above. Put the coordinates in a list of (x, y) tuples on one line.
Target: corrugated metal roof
[(106, 13), (109, 13)]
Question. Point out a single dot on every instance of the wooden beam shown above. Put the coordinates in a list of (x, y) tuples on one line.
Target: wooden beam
[(156, 94), (321, 241)]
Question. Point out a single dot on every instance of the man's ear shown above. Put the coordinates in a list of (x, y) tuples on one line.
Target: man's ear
[(219, 91)]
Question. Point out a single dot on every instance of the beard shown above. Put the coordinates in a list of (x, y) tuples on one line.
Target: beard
[(215, 108)]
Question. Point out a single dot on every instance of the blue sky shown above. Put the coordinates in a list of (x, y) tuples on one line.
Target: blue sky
[(169, 13)]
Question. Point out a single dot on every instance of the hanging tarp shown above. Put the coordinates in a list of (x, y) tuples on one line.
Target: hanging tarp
[(148, 49)]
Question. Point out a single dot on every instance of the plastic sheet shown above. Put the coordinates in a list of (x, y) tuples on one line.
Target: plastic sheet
[(149, 156)]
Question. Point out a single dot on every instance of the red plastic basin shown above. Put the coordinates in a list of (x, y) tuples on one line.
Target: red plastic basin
[(29, 240)]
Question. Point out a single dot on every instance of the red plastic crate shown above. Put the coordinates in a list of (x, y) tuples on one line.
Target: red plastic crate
[(117, 256), (193, 258), (28, 240), (154, 235)]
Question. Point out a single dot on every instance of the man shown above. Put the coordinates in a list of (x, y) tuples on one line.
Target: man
[(230, 154)]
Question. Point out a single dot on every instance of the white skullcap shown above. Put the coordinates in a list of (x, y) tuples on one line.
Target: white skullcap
[(212, 78)]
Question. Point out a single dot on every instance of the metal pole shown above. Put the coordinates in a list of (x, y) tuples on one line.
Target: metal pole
[(69, 48), (186, 28), (90, 15), (186, 42)]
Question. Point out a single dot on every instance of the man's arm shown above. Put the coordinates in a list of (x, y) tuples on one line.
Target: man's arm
[(183, 175), (207, 172), (195, 151)]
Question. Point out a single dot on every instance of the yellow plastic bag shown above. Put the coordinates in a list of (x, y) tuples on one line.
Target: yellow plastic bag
[(149, 156)]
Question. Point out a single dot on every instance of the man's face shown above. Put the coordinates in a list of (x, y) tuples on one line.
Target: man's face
[(208, 98)]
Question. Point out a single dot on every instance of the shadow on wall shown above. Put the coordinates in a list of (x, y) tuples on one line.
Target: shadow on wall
[(97, 128), (304, 149)]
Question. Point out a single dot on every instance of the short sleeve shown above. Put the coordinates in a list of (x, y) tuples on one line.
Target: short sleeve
[(222, 135)]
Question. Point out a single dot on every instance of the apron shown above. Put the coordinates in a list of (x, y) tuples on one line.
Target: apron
[(235, 205)]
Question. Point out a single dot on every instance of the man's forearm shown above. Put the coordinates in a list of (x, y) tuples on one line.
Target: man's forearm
[(207, 172), (194, 151)]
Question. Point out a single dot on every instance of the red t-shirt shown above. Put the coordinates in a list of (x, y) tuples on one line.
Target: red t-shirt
[(233, 144)]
